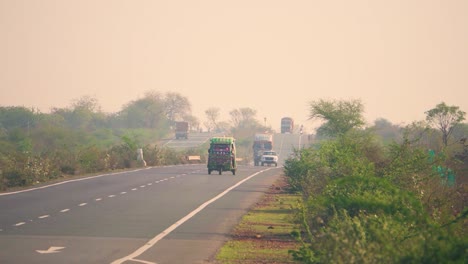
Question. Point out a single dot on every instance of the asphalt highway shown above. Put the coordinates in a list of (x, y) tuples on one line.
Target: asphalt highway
[(170, 214)]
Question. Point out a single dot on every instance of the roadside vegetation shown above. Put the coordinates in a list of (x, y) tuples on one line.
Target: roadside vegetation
[(264, 234), (367, 194), (373, 197), (80, 139)]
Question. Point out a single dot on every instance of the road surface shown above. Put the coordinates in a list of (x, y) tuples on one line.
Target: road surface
[(171, 214)]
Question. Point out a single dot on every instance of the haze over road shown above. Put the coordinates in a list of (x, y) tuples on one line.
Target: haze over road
[(401, 57), (172, 214)]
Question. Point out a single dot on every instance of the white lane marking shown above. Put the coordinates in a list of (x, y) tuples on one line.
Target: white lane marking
[(65, 210), (43, 216), (172, 177), (98, 199), (19, 224), (82, 204), (134, 189), (156, 182), (143, 186), (50, 250), (168, 230), (123, 192), (111, 196), (149, 184), (75, 180), (144, 261)]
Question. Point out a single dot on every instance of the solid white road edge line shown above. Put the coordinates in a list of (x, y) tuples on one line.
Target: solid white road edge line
[(166, 232), (75, 180)]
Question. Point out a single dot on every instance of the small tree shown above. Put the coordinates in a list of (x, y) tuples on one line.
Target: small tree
[(339, 116), (445, 118)]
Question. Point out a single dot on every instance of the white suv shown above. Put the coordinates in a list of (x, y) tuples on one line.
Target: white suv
[(269, 157)]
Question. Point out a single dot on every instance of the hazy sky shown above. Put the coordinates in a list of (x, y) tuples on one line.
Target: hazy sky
[(400, 57)]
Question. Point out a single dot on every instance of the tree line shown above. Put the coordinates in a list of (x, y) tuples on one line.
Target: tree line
[(38, 147)]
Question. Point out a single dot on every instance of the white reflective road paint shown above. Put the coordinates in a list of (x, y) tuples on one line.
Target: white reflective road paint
[(82, 204), (168, 230), (75, 180), (50, 250)]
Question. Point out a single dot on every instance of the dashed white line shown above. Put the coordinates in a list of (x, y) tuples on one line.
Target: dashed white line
[(134, 189), (65, 210), (98, 199), (149, 184), (82, 204), (111, 196), (123, 192), (143, 186), (43, 216), (19, 224)]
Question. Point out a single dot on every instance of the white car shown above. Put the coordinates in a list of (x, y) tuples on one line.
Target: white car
[(269, 157)]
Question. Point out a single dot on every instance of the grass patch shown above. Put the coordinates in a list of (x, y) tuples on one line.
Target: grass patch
[(264, 233)]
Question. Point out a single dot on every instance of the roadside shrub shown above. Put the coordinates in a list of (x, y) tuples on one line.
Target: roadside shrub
[(310, 169), (91, 159), (362, 206), (121, 157), (153, 155), (371, 195)]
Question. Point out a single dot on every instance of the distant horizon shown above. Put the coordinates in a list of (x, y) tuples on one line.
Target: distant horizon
[(307, 123)]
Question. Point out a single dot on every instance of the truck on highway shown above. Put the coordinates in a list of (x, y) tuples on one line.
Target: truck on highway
[(262, 142), (181, 129), (287, 125), (222, 155)]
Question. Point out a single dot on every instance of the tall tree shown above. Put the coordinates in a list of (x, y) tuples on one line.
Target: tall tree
[(386, 130), (176, 106), (212, 115), (147, 112), (84, 114), (13, 117), (244, 117), (445, 118), (339, 116)]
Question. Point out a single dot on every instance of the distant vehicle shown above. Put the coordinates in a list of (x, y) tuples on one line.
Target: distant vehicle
[(181, 129), (287, 125), (269, 157), (222, 155), (262, 142)]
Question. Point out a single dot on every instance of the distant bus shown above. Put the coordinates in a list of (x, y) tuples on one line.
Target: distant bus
[(287, 125)]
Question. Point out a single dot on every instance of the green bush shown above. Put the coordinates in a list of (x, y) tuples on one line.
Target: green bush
[(364, 205)]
